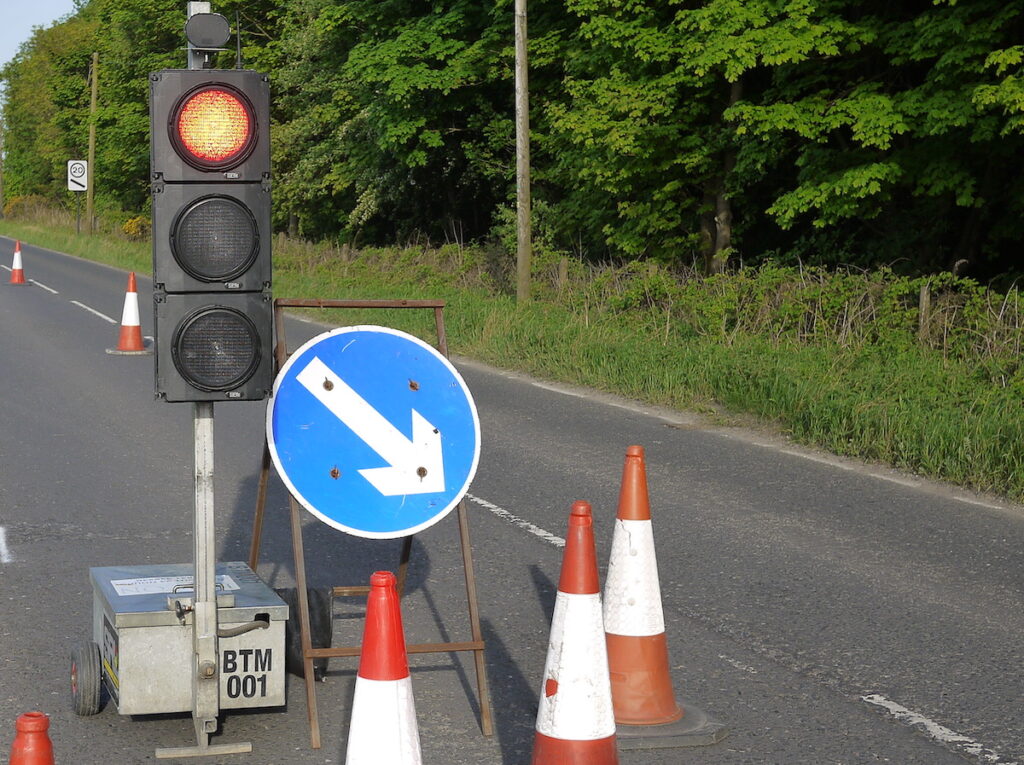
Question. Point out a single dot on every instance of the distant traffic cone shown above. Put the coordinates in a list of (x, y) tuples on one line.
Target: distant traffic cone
[(383, 724), (31, 742), (17, 270), (575, 723), (644, 702), (130, 342)]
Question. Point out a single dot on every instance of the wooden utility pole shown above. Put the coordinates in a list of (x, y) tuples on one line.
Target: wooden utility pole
[(94, 76), (523, 234), (1, 169)]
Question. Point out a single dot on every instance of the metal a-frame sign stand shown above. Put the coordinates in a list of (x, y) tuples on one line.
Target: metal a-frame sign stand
[(309, 653)]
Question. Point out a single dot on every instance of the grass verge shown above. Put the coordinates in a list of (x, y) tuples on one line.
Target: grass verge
[(883, 395)]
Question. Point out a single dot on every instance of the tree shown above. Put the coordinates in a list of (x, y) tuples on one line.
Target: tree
[(894, 144)]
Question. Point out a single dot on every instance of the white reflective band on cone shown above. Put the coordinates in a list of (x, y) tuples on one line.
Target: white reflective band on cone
[(130, 312), (632, 594), (383, 728), (580, 706)]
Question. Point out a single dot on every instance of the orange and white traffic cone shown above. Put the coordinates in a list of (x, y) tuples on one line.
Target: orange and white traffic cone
[(17, 270), (575, 723), (642, 695), (129, 342), (383, 724), (31, 744)]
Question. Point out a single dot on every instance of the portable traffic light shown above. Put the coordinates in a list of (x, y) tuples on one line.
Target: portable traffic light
[(210, 174)]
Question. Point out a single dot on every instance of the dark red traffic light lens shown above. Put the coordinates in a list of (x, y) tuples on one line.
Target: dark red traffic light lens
[(213, 128)]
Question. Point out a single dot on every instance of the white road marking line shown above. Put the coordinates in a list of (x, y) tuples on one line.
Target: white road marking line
[(557, 389), (609, 400), (94, 311), (979, 503), (5, 554), (515, 520), (51, 290), (737, 665), (851, 468), (836, 463), (936, 731)]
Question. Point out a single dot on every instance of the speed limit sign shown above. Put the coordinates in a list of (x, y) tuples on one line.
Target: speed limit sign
[(78, 175)]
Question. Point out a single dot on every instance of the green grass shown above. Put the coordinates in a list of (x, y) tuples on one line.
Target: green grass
[(886, 386), (57, 235)]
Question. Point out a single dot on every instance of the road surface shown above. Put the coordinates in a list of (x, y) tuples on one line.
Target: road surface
[(824, 610)]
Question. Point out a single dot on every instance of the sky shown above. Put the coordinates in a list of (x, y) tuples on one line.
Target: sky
[(17, 17)]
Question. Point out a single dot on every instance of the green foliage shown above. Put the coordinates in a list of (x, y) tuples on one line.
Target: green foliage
[(908, 117), (826, 131)]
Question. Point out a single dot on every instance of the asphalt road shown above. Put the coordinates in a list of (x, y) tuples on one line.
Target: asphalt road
[(824, 610)]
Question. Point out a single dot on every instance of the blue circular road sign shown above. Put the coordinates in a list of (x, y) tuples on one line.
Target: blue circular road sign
[(373, 431)]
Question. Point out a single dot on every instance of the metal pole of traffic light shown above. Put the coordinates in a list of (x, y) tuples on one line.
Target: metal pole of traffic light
[(206, 654), (189, 276)]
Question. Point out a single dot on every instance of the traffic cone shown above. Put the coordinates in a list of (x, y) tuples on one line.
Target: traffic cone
[(129, 342), (575, 723), (383, 724), (17, 270), (31, 742), (643, 699)]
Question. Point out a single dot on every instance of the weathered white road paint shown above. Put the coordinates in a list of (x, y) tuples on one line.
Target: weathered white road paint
[(5, 554), (936, 731), (738, 665)]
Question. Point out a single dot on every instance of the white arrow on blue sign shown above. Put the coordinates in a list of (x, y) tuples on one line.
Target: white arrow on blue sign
[(373, 431)]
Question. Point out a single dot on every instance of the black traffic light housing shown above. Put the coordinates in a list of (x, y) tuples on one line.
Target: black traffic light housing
[(173, 89), (210, 174), (214, 347), (216, 234)]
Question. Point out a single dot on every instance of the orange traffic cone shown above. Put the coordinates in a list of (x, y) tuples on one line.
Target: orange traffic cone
[(383, 724), (575, 723), (17, 270), (644, 702), (31, 742), (129, 342)]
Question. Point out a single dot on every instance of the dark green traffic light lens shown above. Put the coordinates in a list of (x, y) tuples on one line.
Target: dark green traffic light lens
[(216, 348)]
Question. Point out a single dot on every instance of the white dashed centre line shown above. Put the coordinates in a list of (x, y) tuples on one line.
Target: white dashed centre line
[(515, 520), (94, 312), (51, 290)]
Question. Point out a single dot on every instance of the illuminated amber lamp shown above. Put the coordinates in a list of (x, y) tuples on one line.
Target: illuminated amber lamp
[(214, 128)]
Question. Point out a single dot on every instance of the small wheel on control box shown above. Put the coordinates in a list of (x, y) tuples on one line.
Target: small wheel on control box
[(86, 680)]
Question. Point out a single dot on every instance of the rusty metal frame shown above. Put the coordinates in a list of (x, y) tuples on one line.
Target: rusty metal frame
[(476, 645)]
